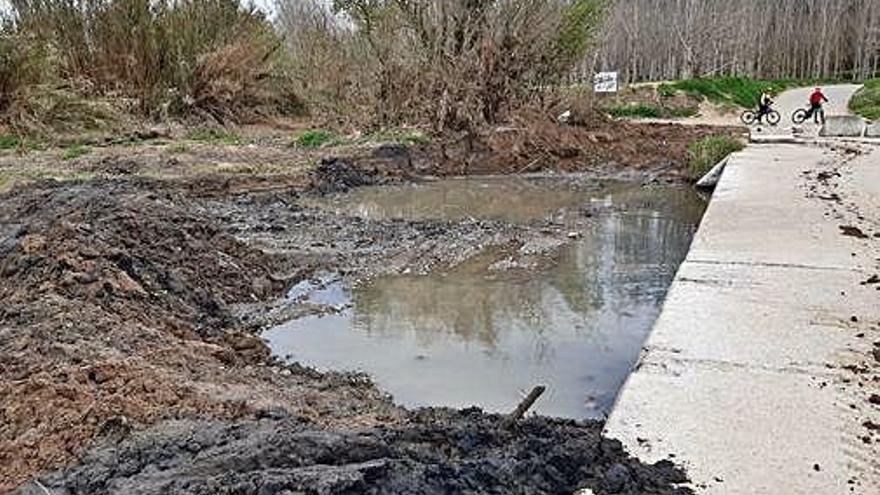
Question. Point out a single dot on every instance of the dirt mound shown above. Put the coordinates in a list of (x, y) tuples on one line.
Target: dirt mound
[(534, 143), (438, 451), (119, 246), (383, 164), (117, 308)]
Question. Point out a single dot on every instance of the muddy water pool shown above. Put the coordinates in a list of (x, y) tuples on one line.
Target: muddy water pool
[(484, 336)]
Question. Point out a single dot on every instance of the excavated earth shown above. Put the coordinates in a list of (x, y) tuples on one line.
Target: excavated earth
[(130, 361)]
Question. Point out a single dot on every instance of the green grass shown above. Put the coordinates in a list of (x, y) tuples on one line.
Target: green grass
[(75, 151), (666, 90), (866, 101), (314, 138), (643, 111), (13, 142), (9, 142), (705, 152), (215, 136), (740, 91)]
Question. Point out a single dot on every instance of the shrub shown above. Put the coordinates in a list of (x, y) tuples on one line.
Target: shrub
[(638, 110), (22, 64), (705, 152), (866, 101), (212, 59)]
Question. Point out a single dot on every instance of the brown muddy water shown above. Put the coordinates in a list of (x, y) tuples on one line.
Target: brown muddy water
[(487, 331)]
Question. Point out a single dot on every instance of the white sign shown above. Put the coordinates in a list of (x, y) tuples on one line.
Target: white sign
[(605, 82)]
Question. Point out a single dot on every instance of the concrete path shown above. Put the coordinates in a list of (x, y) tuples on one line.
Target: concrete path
[(787, 102), (838, 96), (758, 374)]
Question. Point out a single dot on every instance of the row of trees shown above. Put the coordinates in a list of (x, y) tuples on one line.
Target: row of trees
[(676, 39)]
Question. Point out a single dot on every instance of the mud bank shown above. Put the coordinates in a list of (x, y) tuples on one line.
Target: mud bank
[(127, 347), (436, 451)]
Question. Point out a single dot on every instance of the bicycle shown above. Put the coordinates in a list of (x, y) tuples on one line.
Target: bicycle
[(802, 114), (749, 117)]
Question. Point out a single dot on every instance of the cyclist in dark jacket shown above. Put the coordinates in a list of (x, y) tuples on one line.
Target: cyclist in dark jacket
[(764, 104)]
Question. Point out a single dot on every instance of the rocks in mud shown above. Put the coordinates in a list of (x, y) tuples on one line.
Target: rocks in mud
[(851, 231), (436, 451), (615, 478), (339, 175)]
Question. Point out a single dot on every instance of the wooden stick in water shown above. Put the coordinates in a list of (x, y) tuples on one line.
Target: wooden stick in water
[(524, 406)]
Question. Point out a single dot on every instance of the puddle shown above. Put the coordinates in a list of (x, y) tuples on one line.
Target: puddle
[(478, 336), (513, 199), (326, 290)]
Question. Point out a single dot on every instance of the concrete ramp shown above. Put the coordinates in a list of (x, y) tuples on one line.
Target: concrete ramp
[(843, 126), (744, 379)]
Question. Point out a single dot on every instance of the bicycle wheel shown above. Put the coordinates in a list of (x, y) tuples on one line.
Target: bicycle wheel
[(799, 116), (748, 117), (773, 117)]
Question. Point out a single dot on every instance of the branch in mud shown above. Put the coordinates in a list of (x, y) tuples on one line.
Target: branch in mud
[(524, 406)]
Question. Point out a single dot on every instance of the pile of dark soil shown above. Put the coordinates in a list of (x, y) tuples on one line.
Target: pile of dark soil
[(117, 307), (438, 451), (534, 143)]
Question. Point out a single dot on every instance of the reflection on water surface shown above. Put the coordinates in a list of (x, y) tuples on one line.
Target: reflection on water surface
[(475, 336)]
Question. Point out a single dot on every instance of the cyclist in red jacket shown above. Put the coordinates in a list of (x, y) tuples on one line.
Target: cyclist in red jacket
[(816, 101)]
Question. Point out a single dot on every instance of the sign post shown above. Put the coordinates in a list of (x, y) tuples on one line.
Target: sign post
[(605, 82)]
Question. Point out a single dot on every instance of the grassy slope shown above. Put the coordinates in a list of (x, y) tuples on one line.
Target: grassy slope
[(866, 101), (738, 91), (704, 153)]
